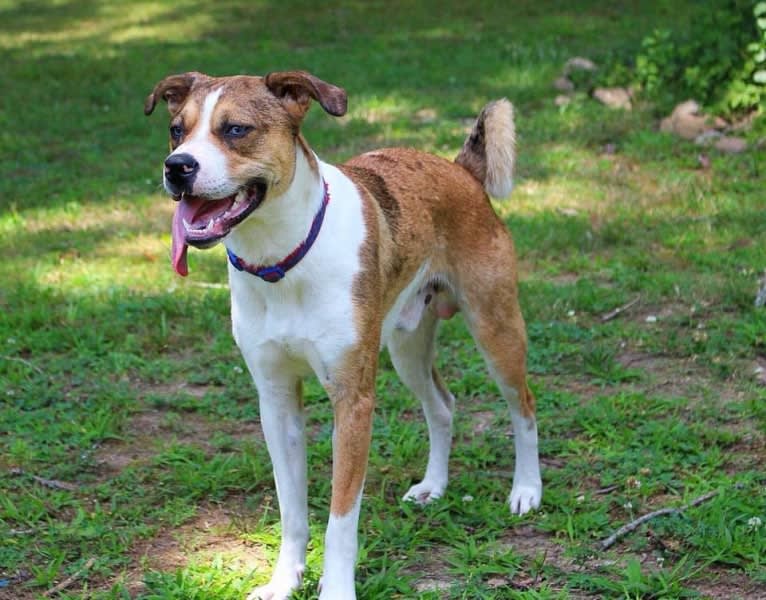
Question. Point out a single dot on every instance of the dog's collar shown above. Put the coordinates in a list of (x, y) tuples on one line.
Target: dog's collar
[(275, 272)]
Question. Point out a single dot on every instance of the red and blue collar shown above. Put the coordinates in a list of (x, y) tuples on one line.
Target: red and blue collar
[(275, 272)]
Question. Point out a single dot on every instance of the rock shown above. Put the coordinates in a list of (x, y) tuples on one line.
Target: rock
[(707, 137), (690, 127), (578, 63), (688, 122), (731, 144), (562, 100), (666, 125), (616, 97), (563, 84), (689, 107)]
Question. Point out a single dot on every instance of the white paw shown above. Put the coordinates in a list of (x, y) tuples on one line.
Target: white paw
[(280, 587), (524, 498), (425, 492)]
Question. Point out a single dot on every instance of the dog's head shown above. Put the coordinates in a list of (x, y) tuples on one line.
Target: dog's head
[(233, 142)]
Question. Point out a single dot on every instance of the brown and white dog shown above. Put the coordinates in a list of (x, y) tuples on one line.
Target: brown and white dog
[(329, 264)]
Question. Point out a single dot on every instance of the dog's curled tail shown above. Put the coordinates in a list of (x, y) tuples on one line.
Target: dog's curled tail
[(488, 152)]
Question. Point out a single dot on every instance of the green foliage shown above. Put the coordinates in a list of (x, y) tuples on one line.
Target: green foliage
[(719, 59)]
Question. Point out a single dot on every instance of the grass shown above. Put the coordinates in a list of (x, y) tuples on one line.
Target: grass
[(121, 383)]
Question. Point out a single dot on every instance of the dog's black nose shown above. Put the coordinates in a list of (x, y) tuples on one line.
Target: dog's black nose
[(180, 169)]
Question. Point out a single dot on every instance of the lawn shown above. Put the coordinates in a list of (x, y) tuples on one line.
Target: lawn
[(132, 463)]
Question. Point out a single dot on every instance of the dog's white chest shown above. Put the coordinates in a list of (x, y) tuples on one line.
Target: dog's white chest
[(296, 328), (306, 321)]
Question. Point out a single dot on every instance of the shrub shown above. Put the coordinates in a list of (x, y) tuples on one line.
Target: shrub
[(719, 60)]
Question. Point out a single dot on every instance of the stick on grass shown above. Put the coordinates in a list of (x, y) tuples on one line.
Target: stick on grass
[(613, 314), (69, 580), (633, 525)]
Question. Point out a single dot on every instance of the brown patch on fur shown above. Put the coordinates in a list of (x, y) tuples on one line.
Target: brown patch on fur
[(377, 187), (472, 156), (173, 89), (297, 88)]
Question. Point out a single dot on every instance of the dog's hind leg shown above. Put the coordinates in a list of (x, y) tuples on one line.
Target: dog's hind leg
[(283, 421), (494, 317), (412, 353)]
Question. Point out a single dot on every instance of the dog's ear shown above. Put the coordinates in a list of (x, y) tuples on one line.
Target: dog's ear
[(297, 88), (173, 89)]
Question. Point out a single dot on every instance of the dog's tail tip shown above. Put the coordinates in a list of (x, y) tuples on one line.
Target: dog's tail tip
[(488, 152)]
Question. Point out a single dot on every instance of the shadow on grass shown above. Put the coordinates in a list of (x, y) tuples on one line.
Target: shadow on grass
[(76, 74)]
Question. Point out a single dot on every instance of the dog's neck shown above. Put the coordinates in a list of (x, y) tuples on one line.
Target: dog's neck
[(282, 222)]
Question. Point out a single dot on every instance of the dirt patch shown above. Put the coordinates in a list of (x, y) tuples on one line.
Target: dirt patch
[(531, 543), (432, 572), (720, 584), (483, 421), (215, 531), (678, 377), (145, 432)]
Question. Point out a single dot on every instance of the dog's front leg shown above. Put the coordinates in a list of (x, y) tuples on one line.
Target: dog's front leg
[(351, 443), (283, 423)]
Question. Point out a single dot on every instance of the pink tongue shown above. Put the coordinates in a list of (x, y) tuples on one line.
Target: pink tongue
[(186, 210)]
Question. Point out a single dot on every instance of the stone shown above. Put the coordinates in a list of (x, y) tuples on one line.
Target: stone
[(562, 100), (563, 84), (707, 137), (615, 97), (688, 122), (578, 63), (731, 144)]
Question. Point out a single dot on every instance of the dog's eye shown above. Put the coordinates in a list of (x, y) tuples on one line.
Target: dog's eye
[(236, 131), (176, 131)]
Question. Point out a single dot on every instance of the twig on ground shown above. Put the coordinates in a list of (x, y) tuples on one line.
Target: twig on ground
[(633, 525), (23, 361), (606, 490), (56, 484), (69, 580), (51, 483), (613, 314)]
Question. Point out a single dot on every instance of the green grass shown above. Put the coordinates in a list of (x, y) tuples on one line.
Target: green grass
[(122, 380)]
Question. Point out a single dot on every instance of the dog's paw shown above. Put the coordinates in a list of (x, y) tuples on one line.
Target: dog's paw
[(280, 587), (524, 498), (424, 492)]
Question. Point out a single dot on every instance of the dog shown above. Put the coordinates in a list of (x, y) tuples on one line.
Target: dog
[(328, 264)]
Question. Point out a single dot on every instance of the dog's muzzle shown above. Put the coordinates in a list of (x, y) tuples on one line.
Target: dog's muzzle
[(201, 222), (180, 172)]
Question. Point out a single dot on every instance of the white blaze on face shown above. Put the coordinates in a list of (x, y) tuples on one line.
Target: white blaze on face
[(212, 180)]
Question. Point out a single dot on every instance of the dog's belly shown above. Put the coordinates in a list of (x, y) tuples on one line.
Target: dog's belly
[(424, 292)]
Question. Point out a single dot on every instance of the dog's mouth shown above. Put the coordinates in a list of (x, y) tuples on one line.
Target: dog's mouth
[(201, 222)]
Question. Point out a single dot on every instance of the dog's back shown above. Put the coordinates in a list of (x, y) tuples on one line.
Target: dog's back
[(430, 208)]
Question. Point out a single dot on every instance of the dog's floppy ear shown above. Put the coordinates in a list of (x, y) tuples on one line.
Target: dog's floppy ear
[(297, 88), (173, 89)]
